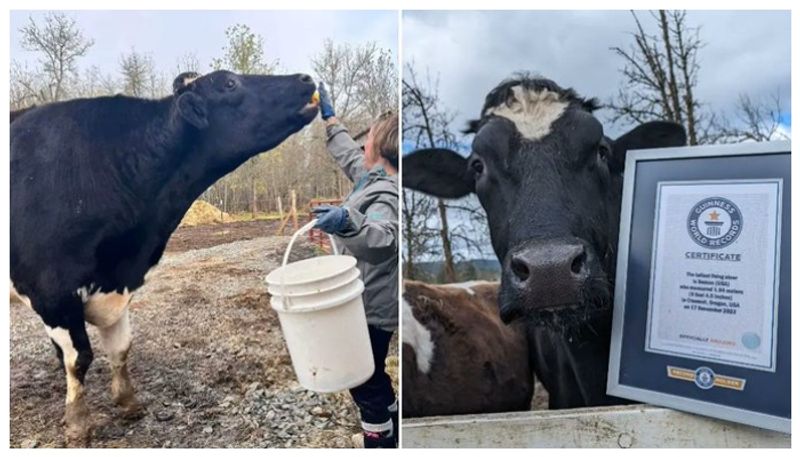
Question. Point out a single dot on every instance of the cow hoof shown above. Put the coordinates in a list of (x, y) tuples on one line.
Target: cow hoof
[(77, 435), (131, 409), (133, 412), (78, 426)]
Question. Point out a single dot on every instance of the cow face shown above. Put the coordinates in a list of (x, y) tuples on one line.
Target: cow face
[(550, 182), (242, 115)]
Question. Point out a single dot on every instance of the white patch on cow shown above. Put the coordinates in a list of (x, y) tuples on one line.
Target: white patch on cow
[(467, 285), (19, 298), (418, 337), (117, 340), (188, 80), (103, 309), (532, 112), (61, 337)]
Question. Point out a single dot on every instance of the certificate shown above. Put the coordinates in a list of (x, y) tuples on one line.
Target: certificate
[(702, 293), (713, 282)]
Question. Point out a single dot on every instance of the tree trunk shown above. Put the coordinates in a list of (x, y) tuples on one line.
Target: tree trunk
[(672, 83), (253, 197), (449, 270)]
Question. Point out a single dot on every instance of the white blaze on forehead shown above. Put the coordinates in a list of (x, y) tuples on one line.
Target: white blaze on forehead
[(103, 309), (532, 112), (418, 337)]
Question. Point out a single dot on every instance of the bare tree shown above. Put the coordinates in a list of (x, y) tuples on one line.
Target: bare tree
[(660, 75), (419, 234), (60, 44), (187, 62), (427, 125), (137, 72), (361, 80), (92, 82), (25, 89), (755, 120), (244, 53)]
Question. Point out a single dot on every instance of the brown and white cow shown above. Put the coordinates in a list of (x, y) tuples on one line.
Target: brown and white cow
[(458, 356)]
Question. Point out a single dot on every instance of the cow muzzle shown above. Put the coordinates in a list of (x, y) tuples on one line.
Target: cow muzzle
[(546, 273)]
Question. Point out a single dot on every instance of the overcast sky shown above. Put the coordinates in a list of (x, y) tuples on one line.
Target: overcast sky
[(293, 37), (472, 51)]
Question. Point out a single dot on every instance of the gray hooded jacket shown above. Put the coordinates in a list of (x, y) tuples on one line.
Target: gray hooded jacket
[(373, 231)]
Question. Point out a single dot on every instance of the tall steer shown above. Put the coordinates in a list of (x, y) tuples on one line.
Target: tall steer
[(458, 356), (551, 184), (97, 187)]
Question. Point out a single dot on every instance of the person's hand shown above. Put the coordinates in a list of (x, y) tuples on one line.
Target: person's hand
[(325, 102), (330, 219)]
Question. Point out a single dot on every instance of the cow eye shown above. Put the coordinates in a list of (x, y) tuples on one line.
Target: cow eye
[(230, 84), (477, 166), (603, 152)]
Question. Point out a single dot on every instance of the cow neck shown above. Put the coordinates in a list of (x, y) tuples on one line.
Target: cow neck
[(199, 168)]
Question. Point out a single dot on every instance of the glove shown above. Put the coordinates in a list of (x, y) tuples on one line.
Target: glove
[(331, 219), (325, 103)]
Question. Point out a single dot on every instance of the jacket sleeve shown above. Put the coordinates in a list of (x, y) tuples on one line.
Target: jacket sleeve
[(372, 237), (346, 152)]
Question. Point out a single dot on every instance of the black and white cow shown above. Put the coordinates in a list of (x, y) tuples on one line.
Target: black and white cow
[(551, 184), (97, 187)]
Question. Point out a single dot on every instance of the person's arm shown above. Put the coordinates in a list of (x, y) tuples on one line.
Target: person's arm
[(372, 237), (345, 151)]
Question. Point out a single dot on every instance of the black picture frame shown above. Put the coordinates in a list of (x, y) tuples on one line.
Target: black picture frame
[(761, 397)]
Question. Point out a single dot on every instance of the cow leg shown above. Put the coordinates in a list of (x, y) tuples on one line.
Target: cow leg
[(116, 342), (68, 332), (59, 353)]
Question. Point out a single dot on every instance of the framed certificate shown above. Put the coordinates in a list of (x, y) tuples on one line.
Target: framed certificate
[(702, 309)]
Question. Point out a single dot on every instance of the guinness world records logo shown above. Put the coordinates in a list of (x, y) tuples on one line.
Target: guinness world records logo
[(704, 378), (714, 222)]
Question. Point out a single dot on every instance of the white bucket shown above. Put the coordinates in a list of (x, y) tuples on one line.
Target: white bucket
[(319, 305)]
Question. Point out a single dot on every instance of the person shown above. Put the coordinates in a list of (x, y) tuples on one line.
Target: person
[(366, 226)]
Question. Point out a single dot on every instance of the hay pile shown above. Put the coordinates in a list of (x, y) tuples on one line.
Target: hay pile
[(202, 212)]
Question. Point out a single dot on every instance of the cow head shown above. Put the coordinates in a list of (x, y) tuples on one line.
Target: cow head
[(550, 183), (242, 115)]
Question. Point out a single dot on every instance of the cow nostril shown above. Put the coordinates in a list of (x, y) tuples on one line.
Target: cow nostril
[(578, 263), (306, 79), (520, 269)]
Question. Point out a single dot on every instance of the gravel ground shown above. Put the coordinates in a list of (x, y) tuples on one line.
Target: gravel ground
[(208, 362)]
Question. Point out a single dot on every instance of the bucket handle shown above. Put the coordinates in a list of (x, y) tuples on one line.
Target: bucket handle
[(301, 231), (286, 300)]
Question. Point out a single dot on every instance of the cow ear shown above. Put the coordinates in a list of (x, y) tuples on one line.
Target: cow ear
[(192, 109), (438, 172), (656, 134), (182, 82)]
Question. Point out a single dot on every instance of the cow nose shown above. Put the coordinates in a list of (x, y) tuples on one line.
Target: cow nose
[(551, 271), (549, 261), (306, 79)]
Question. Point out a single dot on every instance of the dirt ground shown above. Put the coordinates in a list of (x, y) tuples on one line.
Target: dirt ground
[(204, 236), (208, 359)]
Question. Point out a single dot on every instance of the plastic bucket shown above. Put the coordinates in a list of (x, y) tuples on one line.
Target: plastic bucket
[(321, 312)]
